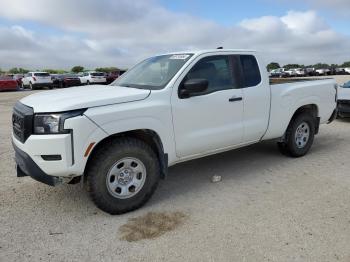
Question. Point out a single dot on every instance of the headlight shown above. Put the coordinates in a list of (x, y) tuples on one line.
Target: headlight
[(53, 123)]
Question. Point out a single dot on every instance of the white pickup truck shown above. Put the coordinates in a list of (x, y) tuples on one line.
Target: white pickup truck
[(167, 109)]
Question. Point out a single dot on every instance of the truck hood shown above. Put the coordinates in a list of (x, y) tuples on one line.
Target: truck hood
[(82, 97)]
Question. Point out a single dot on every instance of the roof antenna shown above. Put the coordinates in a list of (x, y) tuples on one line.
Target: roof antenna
[(220, 47)]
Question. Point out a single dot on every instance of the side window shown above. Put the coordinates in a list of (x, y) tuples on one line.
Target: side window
[(251, 71), (215, 69)]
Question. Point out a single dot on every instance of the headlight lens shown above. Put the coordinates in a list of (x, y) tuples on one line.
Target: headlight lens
[(46, 124), (53, 123)]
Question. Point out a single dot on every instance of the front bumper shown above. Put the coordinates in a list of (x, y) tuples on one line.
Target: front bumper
[(27, 167), (42, 84), (343, 109)]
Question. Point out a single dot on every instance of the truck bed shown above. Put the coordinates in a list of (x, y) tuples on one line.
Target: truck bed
[(277, 81), (287, 95)]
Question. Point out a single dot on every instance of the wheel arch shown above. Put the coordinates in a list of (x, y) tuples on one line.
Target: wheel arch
[(148, 136), (309, 108)]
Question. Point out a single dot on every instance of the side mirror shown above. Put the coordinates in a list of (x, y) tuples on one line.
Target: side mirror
[(193, 86)]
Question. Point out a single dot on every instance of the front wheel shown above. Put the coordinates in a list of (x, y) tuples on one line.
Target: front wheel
[(123, 175), (299, 136)]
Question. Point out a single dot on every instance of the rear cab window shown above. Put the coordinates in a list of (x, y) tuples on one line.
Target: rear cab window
[(250, 70), (42, 74), (97, 74)]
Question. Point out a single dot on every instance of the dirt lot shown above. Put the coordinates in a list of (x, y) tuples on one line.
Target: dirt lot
[(266, 208)]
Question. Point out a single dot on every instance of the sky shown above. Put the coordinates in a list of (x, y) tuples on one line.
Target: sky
[(38, 34)]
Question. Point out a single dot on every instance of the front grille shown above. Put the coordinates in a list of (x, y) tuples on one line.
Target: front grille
[(22, 121)]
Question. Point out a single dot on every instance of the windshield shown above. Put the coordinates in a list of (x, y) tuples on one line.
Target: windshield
[(153, 73)]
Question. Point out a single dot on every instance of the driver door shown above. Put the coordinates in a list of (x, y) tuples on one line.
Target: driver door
[(213, 119)]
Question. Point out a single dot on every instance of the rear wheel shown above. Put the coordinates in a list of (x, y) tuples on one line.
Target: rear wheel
[(299, 136), (123, 175)]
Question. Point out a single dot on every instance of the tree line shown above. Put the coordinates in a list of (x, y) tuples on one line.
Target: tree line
[(275, 65)]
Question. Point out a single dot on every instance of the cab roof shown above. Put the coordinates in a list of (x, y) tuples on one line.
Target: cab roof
[(200, 52)]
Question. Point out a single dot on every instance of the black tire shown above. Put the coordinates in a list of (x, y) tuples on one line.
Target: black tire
[(102, 162), (282, 148), (290, 147), (61, 85)]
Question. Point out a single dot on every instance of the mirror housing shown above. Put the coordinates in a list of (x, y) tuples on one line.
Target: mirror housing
[(193, 86)]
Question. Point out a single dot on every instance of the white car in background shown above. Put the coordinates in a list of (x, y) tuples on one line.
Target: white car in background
[(347, 70), (291, 72), (322, 72), (280, 72), (93, 78), (33, 80), (300, 72)]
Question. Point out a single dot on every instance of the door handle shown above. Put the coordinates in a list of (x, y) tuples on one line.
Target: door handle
[(235, 98)]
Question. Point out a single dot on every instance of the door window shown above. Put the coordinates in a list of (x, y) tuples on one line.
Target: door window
[(215, 69)]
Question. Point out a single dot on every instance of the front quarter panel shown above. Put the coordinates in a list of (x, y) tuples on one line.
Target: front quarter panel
[(152, 113)]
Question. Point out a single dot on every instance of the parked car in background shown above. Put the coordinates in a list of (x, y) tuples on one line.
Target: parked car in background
[(344, 100), (122, 72), (34, 80), (8, 83), (280, 72), (93, 78), (310, 71), (66, 80), (110, 77), (300, 72), (347, 70), (291, 72), (322, 72)]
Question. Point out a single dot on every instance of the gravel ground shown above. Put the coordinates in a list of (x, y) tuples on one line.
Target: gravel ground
[(266, 208)]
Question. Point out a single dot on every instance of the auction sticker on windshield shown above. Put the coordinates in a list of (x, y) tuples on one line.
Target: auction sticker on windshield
[(181, 57)]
